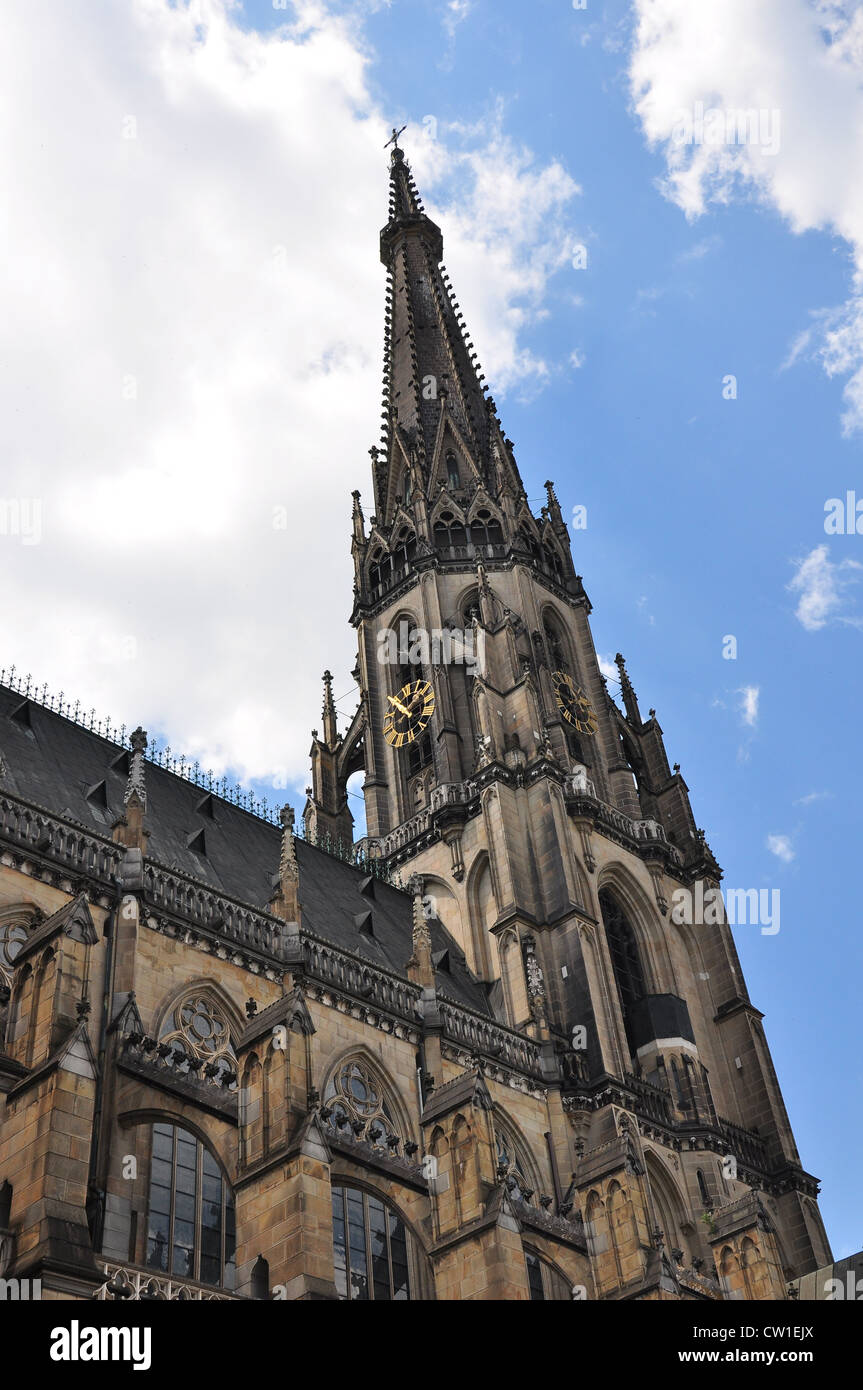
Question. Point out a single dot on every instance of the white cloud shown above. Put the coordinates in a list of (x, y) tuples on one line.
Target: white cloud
[(454, 14), (700, 249), (781, 846), (749, 696), (811, 797), (577, 358), (800, 63), (191, 332), (799, 347), (821, 583), (609, 669)]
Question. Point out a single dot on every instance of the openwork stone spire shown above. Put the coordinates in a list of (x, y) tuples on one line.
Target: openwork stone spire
[(285, 900), (135, 786), (420, 966), (430, 365), (129, 829)]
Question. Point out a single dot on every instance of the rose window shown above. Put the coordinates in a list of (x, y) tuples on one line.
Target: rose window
[(198, 1034), (353, 1099)]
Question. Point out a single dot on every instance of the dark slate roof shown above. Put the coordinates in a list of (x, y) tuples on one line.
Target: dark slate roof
[(60, 766)]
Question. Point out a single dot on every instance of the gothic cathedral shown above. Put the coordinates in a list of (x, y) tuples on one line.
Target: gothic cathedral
[(471, 1055)]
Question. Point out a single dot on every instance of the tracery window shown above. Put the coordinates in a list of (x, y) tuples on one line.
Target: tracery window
[(381, 568), (449, 533), (485, 530), (191, 1229), (555, 646), (625, 960), (353, 1096), (420, 754), (525, 540), (12, 937), (553, 563), (198, 1031), (370, 1249), (512, 1166)]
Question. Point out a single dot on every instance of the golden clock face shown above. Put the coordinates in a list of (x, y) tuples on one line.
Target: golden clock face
[(574, 704), (409, 713)]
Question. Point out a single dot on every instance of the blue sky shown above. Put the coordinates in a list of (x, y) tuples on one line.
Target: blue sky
[(223, 260), (698, 506)]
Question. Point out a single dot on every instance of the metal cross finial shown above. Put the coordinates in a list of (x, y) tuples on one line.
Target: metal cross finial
[(394, 138)]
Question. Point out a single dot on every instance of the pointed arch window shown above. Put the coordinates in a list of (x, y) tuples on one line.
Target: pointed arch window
[(704, 1191), (543, 1281), (380, 568), (555, 645), (453, 474), (13, 934), (625, 960), (553, 563), (191, 1229), (485, 532), (420, 754), (450, 535), (408, 670), (512, 1165), (526, 541), (371, 1249), (404, 549)]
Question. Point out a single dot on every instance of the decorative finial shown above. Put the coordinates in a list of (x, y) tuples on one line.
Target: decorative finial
[(285, 900), (135, 794), (329, 712)]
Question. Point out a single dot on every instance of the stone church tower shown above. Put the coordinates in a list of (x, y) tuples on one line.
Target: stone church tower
[(473, 1055), (544, 823)]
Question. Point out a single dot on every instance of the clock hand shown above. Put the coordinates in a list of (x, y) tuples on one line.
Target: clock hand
[(399, 706)]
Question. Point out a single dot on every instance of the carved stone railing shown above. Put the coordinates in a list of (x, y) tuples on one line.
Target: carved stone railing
[(609, 820), (405, 836), (68, 846), (452, 794), (749, 1148), (194, 902), (490, 1039), (651, 1102), (406, 833), (132, 1284), (354, 976)]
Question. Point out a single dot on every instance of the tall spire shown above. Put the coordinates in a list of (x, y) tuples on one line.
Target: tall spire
[(434, 396)]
